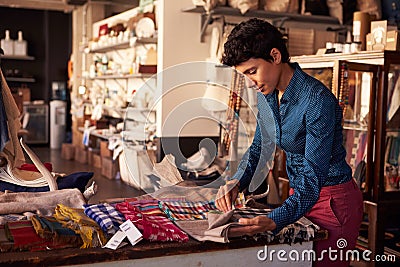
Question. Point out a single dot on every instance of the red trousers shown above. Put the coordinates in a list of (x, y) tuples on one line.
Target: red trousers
[(339, 210)]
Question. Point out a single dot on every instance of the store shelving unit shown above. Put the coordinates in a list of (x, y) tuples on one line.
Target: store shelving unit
[(17, 57), (123, 51), (128, 76), (123, 45), (19, 79)]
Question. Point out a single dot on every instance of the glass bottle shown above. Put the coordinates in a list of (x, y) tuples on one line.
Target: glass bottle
[(7, 44)]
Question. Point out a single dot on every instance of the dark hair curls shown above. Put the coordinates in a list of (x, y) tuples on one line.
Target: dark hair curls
[(253, 38)]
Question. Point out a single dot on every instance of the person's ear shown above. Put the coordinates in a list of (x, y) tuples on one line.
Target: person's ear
[(276, 55)]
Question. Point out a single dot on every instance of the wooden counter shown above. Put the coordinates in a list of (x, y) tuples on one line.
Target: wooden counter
[(235, 253)]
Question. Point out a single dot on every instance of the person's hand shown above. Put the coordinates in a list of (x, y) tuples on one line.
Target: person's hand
[(227, 195), (252, 226)]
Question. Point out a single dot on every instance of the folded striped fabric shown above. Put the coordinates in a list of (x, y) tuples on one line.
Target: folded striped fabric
[(153, 227), (186, 210), (24, 237), (49, 228), (148, 207), (106, 216)]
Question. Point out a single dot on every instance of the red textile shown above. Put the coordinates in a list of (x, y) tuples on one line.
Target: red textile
[(153, 227), (25, 237), (32, 167)]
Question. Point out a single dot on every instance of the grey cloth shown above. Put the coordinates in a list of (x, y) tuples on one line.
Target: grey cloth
[(188, 193), (42, 203)]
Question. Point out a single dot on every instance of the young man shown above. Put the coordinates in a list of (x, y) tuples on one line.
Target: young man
[(308, 128)]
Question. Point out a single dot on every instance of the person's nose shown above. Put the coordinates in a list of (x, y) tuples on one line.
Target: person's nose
[(252, 82)]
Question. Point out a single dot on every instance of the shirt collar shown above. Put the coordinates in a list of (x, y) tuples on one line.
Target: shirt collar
[(292, 92)]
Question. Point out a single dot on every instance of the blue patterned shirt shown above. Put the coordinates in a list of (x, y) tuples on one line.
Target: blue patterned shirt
[(309, 130)]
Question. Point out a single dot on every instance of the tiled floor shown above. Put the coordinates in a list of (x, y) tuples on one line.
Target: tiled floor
[(106, 188)]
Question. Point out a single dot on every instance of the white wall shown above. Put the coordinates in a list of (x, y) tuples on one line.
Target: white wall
[(179, 42)]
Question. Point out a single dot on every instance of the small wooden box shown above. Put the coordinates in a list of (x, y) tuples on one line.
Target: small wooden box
[(26, 93), (149, 69), (67, 151), (109, 168)]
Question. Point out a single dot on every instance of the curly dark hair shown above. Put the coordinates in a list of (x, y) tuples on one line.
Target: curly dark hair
[(253, 38)]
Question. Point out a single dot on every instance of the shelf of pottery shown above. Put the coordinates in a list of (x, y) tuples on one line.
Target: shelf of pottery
[(123, 59)]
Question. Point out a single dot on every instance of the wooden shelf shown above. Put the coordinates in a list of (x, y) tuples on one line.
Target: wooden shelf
[(229, 11), (327, 60), (17, 57), (130, 76), (22, 80), (360, 128), (123, 45)]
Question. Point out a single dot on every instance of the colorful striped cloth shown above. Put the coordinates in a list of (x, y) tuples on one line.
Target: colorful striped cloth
[(24, 237), (148, 207), (153, 224), (49, 228), (186, 210), (76, 219), (106, 216)]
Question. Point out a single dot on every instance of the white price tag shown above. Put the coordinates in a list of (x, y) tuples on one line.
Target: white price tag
[(116, 240), (130, 230)]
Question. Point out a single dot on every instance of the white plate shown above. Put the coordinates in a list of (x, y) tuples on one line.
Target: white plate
[(145, 28)]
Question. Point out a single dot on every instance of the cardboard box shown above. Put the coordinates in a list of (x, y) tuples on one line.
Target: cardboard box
[(67, 151), (109, 168), (392, 41), (92, 152), (77, 122), (308, 41), (104, 151), (81, 155), (96, 161), (77, 137)]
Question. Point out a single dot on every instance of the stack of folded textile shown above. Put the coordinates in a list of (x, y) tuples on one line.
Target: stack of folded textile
[(22, 235), (49, 228), (216, 226)]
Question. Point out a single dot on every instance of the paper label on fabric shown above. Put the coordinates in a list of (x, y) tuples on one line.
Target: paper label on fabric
[(116, 240), (130, 230)]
